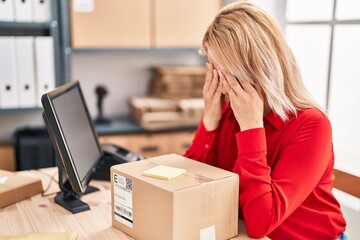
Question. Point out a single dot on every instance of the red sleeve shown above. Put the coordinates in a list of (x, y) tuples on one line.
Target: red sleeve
[(202, 144), (268, 197)]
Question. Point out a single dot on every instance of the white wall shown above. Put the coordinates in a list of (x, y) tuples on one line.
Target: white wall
[(124, 75)]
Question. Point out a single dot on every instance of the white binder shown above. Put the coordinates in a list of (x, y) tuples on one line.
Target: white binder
[(7, 12), (26, 71), (24, 10), (42, 10), (9, 97), (45, 67)]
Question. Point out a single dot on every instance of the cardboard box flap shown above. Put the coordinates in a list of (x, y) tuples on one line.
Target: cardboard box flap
[(17, 181), (17, 188), (6, 173), (200, 173)]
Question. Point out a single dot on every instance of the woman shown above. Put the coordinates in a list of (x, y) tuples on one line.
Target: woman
[(267, 129)]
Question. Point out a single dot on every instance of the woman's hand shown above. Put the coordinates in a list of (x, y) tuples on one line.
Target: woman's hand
[(246, 101), (212, 98)]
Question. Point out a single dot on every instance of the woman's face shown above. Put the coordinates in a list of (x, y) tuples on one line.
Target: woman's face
[(218, 67)]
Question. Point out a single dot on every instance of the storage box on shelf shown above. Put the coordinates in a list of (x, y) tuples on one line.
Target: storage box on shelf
[(178, 82), (154, 113), (141, 24), (174, 101)]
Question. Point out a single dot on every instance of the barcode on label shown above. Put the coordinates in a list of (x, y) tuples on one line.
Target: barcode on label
[(123, 211), (129, 184)]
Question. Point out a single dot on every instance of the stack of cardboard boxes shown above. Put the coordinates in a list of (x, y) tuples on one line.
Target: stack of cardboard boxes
[(178, 82), (175, 99)]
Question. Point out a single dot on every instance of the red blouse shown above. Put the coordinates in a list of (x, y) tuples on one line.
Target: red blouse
[(285, 171)]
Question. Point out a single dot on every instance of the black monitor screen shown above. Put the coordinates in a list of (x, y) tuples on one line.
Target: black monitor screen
[(77, 131), (72, 133)]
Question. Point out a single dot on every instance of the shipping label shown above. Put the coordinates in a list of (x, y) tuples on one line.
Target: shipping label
[(123, 211)]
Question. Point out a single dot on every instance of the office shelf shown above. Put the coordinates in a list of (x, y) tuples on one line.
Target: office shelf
[(136, 51), (24, 29), (126, 125), (57, 28), (18, 110)]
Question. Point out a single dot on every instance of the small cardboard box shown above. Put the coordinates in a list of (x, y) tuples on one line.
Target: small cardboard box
[(200, 204), (17, 188)]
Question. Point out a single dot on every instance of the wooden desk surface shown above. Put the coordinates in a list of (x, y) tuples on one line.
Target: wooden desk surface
[(41, 214)]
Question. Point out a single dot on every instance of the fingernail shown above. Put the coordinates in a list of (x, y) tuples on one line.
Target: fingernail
[(207, 64), (219, 72)]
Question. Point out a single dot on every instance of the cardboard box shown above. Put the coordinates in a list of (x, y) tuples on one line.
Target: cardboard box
[(200, 204), (17, 188), (156, 113)]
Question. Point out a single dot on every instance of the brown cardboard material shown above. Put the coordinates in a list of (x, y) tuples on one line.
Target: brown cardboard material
[(200, 204), (17, 188)]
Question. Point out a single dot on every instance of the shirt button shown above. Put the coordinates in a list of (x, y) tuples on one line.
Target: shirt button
[(206, 145)]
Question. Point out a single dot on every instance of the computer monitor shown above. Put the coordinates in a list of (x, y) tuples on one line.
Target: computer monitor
[(74, 139)]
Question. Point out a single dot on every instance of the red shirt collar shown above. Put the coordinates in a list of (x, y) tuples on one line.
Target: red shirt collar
[(274, 120), (271, 117)]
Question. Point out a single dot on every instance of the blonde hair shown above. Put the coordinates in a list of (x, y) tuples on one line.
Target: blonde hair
[(251, 46)]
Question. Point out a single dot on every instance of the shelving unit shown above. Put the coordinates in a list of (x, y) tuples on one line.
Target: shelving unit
[(55, 28), (24, 29)]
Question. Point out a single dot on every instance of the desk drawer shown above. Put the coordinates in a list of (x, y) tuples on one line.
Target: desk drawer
[(150, 145), (181, 141)]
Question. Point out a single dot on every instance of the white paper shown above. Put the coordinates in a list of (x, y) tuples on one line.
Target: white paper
[(83, 6), (3, 179), (208, 233)]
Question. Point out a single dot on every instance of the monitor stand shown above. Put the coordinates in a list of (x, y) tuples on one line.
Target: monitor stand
[(69, 199)]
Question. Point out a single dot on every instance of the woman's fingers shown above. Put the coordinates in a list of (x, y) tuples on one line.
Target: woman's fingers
[(240, 87), (209, 76), (233, 83), (247, 86), (213, 83), (230, 91), (260, 92), (217, 94)]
